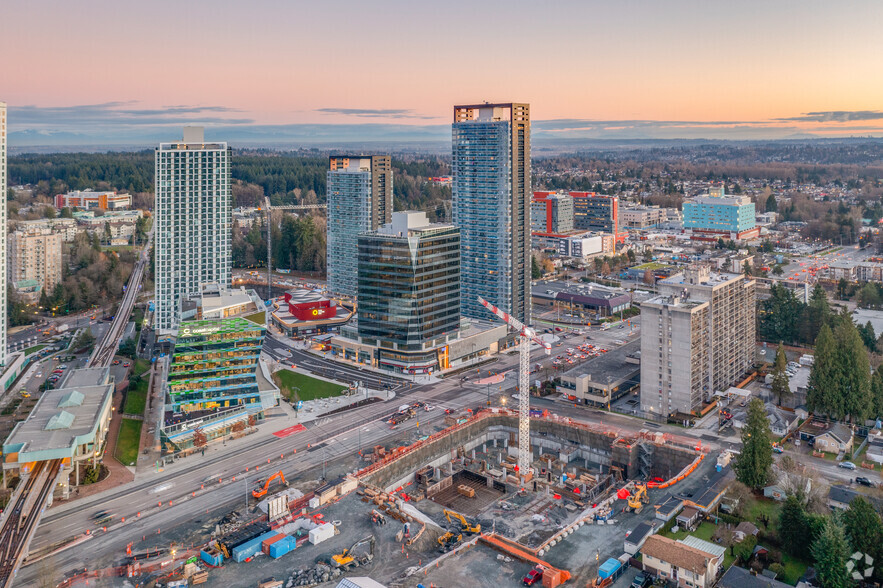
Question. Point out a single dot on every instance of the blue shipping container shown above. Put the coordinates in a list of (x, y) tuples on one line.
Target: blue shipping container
[(608, 568), (251, 547), (283, 546), (215, 558)]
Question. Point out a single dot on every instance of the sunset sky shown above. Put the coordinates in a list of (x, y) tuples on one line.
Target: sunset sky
[(663, 69)]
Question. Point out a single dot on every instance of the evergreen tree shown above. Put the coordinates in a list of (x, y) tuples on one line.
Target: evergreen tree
[(780, 377), (853, 374), (817, 313), (864, 528), (822, 377), (747, 269), (793, 531), (831, 552), (877, 393), (771, 205), (535, 272), (754, 463)]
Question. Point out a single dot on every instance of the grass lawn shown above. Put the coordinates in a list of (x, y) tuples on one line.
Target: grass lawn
[(33, 349), (136, 398), (128, 441), (763, 507), (258, 317), (794, 568), (141, 366), (308, 388)]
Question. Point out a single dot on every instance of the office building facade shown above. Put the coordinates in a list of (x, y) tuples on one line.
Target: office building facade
[(193, 221), (491, 206), (409, 291), (34, 257), (3, 277), (716, 215), (730, 326), (359, 196), (551, 213)]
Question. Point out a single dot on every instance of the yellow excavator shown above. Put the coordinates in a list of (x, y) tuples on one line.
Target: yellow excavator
[(449, 540), (465, 526), (639, 498), (347, 559)]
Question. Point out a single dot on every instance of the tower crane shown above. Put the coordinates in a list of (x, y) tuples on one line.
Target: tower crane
[(269, 208), (525, 336)]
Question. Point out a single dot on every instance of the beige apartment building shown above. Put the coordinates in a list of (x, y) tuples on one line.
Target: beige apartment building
[(697, 339), (34, 262)]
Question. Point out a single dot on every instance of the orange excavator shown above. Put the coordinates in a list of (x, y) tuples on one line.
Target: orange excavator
[(263, 486)]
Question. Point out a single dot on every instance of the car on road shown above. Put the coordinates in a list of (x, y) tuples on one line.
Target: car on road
[(516, 396), (102, 516), (642, 581), (864, 482), (846, 465), (533, 577)]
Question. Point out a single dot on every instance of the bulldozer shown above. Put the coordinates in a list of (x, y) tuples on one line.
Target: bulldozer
[(465, 526), (347, 559), (262, 486), (639, 498)]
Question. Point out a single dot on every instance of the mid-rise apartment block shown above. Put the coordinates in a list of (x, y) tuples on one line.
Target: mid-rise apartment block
[(715, 215), (491, 206), (193, 221), (643, 217), (409, 291), (359, 195), (696, 310), (596, 212), (93, 199), (3, 278), (34, 262), (551, 213)]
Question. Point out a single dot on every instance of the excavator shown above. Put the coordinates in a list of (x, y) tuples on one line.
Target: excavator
[(449, 540), (347, 559), (639, 498), (465, 526), (263, 486)]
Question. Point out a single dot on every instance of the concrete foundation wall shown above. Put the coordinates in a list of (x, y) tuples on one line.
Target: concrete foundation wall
[(574, 444)]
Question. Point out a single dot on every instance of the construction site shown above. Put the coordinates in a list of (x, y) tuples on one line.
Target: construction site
[(451, 509)]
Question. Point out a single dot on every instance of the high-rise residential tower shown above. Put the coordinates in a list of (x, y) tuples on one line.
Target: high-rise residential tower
[(193, 221), (359, 195), (491, 206), (3, 294)]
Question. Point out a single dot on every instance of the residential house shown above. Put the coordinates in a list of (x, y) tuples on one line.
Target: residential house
[(688, 517), (737, 577), (839, 497), (782, 421), (836, 439), (714, 550), (875, 449), (676, 562), (636, 538)]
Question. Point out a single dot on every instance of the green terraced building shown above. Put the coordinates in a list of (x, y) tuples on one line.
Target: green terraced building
[(215, 364)]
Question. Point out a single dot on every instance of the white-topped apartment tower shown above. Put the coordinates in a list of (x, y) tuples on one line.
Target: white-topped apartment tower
[(3, 294), (193, 221)]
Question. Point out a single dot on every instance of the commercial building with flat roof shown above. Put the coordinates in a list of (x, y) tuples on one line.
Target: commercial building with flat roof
[(359, 189), (583, 300), (601, 380), (303, 311), (409, 290), (716, 215), (106, 200), (68, 423), (193, 222), (491, 206)]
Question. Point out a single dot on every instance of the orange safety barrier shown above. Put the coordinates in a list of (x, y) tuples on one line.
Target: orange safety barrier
[(684, 473), (520, 552)]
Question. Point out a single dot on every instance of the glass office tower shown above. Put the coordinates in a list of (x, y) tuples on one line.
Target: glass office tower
[(409, 290)]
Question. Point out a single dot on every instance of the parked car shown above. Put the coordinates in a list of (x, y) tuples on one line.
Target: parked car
[(642, 581), (864, 482), (846, 465), (534, 576)]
